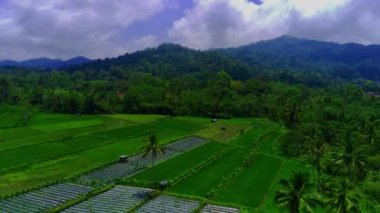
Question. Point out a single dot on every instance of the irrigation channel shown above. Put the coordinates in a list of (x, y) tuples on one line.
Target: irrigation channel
[(116, 199)]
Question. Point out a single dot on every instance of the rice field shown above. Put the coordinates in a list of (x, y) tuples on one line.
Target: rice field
[(39, 148), (210, 176), (180, 164)]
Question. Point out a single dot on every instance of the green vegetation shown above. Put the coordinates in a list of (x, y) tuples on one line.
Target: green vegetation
[(208, 177), (253, 183), (293, 122), (47, 156), (180, 164)]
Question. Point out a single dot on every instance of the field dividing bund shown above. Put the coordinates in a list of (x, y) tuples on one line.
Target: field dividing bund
[(208, 177), (253, 183), (179, 164)]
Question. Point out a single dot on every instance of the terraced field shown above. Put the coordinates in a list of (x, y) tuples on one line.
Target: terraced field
[(40, 148), (174, 167), (167, 204), (211, 175), (43, 199), (51, 147), (118, 199), (138, 162)]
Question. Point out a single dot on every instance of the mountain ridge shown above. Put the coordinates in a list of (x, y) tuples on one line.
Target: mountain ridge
[(45, 62)]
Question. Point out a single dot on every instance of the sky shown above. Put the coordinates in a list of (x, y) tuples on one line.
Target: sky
[(108, 28)]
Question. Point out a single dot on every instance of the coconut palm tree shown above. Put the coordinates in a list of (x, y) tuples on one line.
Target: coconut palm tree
[(352, 161), (296, 195), (152, 148), (342, 200), (317, 148)]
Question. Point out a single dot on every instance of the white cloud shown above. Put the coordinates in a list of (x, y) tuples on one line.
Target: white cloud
[(64, 29), (224, 23), (146, 41)]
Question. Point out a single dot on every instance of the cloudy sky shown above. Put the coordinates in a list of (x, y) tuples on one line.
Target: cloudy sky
[(107, 28)]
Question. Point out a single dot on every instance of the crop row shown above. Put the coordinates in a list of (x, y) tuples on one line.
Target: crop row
[(44, 198), (139, 162), (218, 209), (118, 199), (168, 204)]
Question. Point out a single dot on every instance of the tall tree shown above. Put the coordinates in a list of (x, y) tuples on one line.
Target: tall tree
[(152, 148), (317, 148), (351, 161), (296, 195), (342, 200)]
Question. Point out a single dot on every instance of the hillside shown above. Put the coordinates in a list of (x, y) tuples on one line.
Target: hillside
[(168, 60), (350, 61), (45, 62)]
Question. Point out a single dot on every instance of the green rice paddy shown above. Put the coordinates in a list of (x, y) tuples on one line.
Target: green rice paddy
[(39, 148)]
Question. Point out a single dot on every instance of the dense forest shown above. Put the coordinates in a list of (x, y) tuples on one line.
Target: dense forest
[(333, 120)]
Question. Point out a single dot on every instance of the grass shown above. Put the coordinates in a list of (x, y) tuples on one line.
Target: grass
[(249, 138), (221, 132), (31, 140), (177, 165), (286, 171), (175, 124), (253, 183), (53, 147), (53, 122), (53, 161), (66, 166), (10, 133), (13, 116), (31, 154), (267, 142), (138, 118), (207, 178), (69, 165)]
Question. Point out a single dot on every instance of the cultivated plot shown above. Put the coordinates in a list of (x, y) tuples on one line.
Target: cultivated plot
[(249, 138), (209, 176), (117, 199), (218, 209), (179, 164), (139, 162), (31, 154), (43, 199), (253, 183), (168, 204)]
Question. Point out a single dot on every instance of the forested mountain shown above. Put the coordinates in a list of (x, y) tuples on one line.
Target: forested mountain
[(168, 60), (348, 61), (45, 62), (274, 57)]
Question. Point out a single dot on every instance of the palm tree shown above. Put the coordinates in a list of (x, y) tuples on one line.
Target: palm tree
[(153, 148), (293, 112), (317, 148), (341, 200), (351, 162), (296, 195)]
